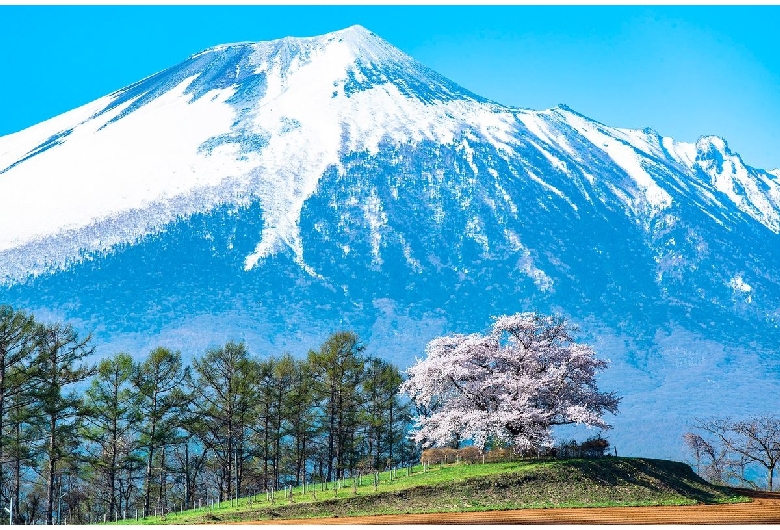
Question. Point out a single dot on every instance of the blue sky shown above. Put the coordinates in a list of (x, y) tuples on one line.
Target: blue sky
[(684, 71)]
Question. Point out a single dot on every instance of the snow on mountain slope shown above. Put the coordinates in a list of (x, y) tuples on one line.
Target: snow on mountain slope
[(220, 135), (264, 121), (647, 192), (754, 192), (95, 170)]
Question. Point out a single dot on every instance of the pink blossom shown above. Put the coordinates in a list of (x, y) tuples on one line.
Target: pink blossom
[(510, 385)]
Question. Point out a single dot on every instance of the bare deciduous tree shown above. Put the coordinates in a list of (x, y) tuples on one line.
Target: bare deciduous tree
[(754, 440)]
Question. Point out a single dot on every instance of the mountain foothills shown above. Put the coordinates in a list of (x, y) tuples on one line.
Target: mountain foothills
[(276, 192)]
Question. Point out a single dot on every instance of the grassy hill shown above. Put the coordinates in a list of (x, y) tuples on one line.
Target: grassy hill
[(477, 487)]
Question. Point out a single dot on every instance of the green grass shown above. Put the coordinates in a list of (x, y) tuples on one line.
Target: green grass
[(477, 487)]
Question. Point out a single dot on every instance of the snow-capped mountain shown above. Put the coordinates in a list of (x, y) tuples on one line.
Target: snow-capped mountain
[(279, 191)]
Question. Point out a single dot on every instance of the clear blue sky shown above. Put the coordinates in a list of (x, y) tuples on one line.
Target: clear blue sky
[(684, 71)]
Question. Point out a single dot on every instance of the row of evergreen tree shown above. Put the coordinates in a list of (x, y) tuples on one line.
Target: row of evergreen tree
[(80, 442)]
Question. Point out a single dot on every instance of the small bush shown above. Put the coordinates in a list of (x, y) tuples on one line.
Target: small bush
[(470, 454), (594, 447), (448, 455), (503, 454), (591, 448), (434, 455)]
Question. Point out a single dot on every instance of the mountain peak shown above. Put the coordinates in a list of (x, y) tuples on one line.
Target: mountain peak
[(361, 42), (356, 32), (367, 45), (711, 141)]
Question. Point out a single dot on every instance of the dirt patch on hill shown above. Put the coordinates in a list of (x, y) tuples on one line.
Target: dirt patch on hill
[(764, 509)]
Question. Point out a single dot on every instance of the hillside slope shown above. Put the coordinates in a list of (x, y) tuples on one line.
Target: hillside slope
[(461, 488)]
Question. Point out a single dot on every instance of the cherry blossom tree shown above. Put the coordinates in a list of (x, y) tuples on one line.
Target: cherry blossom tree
[(512, 384)]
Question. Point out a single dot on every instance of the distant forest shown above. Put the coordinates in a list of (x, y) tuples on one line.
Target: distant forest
[(80, 442)]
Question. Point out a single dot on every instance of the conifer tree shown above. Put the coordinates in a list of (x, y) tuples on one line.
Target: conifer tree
[(157, 381), (337, 369), (283, 378), (224, 397), (60, 363), (110, 412), (382, 409), (22, 433), (16, 353), (302, 418)]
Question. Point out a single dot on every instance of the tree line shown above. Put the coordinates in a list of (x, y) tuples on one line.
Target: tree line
[(82, 442)]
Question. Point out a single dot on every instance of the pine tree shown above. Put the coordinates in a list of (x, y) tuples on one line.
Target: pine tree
[(23, 431), (59, 364), (336, 371), (381, 409), (110, 412), (265, 413), (301, 417), (224, 396), (283, 377), (157, 382), (16, 353)]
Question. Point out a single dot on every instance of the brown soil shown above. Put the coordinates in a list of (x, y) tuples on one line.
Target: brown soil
[(764, 509)]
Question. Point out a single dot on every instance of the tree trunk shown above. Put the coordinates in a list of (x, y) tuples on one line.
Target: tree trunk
[(148, 485), (161, 493), (150, 457), (2, 415), (17, 473), (278, 439), (52, 463), (229, 455), (390, 426), (265, 446), (114, 445), (340, 438), (331, 433), (187, 489)]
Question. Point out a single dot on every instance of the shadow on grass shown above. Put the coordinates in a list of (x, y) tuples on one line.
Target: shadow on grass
[(662, 476), (597, 482)]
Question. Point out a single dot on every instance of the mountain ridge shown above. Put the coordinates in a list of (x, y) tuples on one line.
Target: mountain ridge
[(277, 195)]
